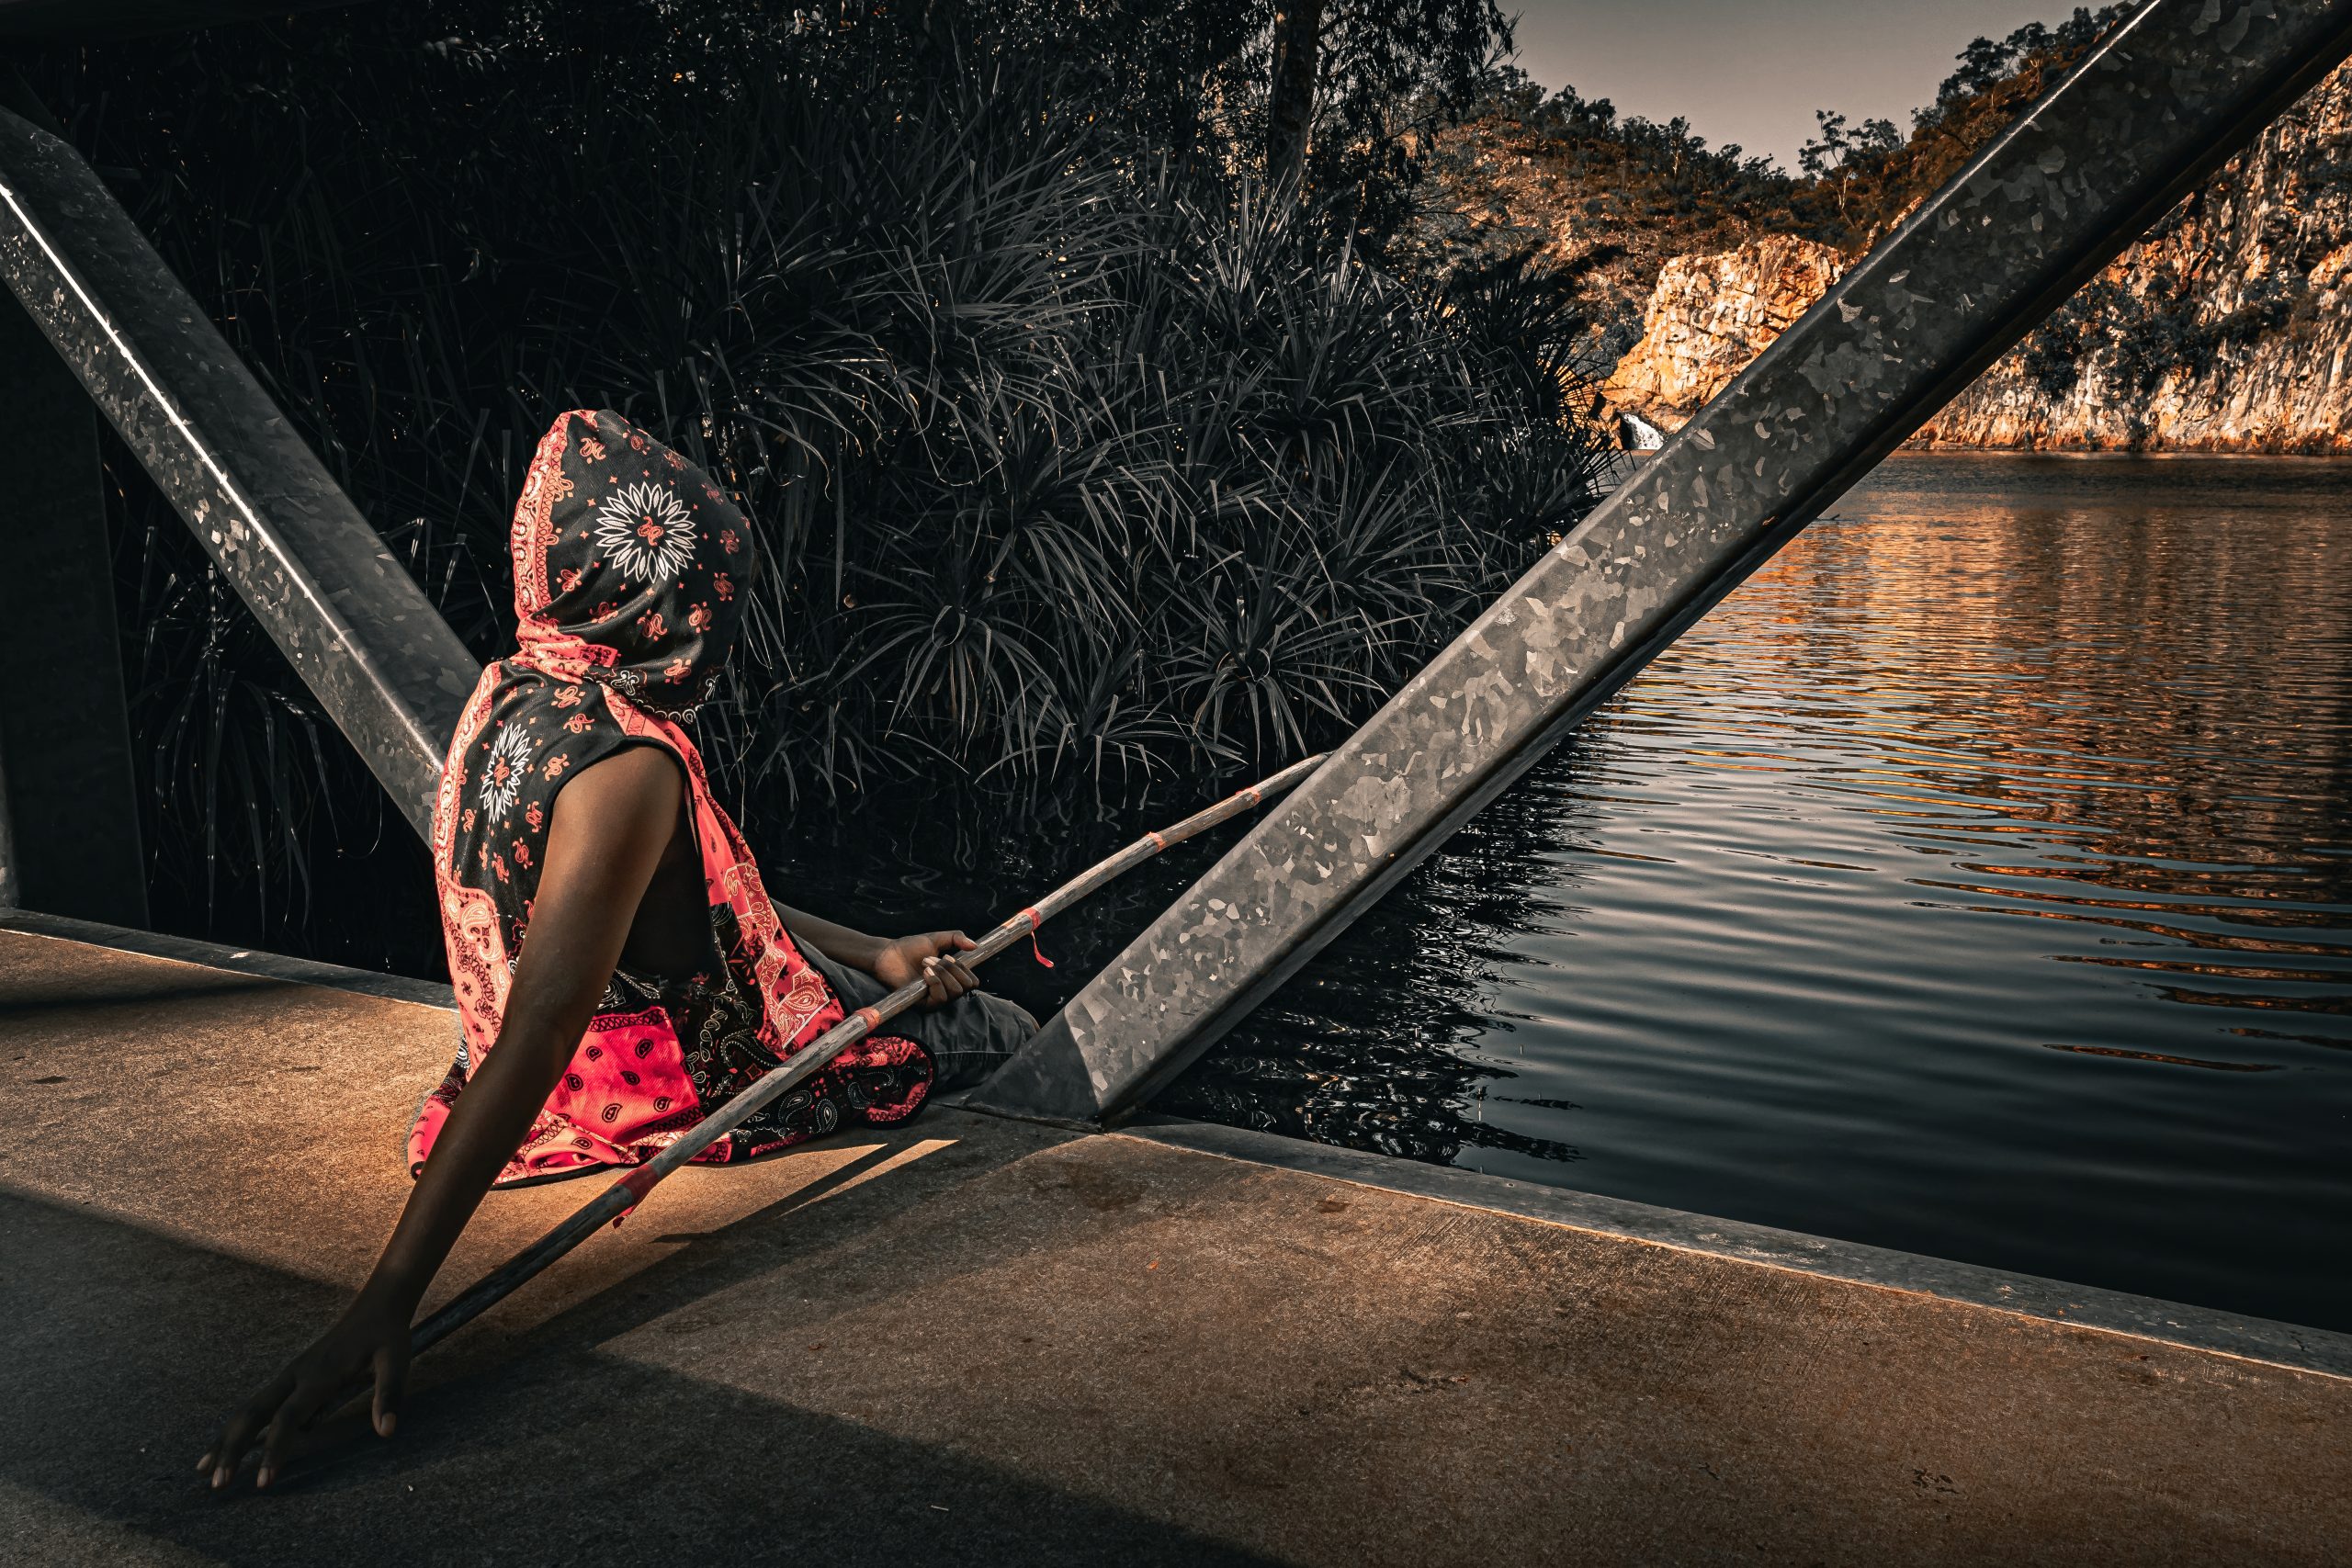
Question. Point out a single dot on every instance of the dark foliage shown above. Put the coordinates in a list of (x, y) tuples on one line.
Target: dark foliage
[(1650, 172), (1618, 195), (2136, 340), (1087, 472), (1388, 72), (1606, 198), (1865, 177)]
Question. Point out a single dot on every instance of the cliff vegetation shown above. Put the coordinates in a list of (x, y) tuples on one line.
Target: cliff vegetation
[(2224, 329)]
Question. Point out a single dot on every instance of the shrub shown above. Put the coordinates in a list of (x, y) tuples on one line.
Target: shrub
[(1084, 473)]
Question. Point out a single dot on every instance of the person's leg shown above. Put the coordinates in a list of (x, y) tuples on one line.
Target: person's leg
[(971, 1036), (968, 1039)]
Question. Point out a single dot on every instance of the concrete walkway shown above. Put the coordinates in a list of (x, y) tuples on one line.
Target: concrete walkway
[(978, 1341)]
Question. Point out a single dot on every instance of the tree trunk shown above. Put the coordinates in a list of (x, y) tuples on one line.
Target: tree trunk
[(1298, 42)]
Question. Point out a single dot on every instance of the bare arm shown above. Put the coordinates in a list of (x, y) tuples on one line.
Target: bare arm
[(930, 957), (839, 944), (611, 824)]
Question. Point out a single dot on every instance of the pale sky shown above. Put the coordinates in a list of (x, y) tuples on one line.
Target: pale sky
[(1754, 71)]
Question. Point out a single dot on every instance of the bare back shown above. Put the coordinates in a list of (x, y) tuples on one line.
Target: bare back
[(670, 934)]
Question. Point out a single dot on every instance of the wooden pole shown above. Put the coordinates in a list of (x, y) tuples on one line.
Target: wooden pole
[(629, 1191)]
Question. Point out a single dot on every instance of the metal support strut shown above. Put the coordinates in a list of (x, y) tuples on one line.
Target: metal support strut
[(2153, 109), (362, 636)]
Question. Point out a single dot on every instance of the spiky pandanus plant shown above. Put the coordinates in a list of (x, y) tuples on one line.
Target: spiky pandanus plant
[(1083, 473)]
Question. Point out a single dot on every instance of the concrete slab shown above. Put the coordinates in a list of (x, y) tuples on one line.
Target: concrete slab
[(979, 1341)]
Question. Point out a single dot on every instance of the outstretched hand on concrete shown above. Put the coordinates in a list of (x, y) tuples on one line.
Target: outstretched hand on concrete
[(370, 1338)]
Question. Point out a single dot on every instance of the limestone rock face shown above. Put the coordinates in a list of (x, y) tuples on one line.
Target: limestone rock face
[(2227, 329), (1708, 316)]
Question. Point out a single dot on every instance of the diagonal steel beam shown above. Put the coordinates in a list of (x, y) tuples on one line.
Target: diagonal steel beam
[(363, 638), (2151, 111)]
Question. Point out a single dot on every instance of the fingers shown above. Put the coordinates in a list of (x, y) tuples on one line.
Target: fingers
[(229, 1452), (958, 976), (959, 973), (943, 943), (945, 947), (944, 978), (228, 1455), (279, 1437), (391, 1382)]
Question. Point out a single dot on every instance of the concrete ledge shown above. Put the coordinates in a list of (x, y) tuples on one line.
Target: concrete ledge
[(236, 960), (972, 1340), (2254, 1338), (2086, 1306)]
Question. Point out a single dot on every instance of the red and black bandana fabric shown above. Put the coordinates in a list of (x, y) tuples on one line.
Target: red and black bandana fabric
[(630, 570)]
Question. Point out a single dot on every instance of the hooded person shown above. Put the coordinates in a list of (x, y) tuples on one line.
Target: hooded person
[(619, 968), (631, 573)]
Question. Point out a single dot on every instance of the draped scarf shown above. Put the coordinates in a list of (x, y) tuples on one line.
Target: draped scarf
[(631, 569)]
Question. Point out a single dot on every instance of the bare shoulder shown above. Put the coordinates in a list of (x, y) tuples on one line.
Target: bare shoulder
[(631, 783)]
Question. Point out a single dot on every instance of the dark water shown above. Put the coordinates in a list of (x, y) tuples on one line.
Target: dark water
[(1976, 880)]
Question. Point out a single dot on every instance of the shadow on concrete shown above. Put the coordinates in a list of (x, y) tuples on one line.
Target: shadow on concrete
[(79, 995), (556, 1452)]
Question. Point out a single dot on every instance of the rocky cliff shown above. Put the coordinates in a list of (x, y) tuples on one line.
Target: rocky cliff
[(2227, 328), (1709, 315)]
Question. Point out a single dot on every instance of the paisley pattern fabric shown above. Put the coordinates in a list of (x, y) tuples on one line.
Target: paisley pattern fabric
[(631, 565)]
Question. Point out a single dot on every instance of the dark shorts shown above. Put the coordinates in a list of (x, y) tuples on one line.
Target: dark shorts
[(968, 1039)]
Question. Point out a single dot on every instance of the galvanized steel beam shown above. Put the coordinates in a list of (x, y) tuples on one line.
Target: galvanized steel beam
[(2151, 111), (363, 638)]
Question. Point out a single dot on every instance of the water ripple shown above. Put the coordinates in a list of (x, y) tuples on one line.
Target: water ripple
[(1921, 895)]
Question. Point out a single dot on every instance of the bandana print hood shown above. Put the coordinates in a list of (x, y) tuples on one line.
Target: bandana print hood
[(630, 568), (629, 565)]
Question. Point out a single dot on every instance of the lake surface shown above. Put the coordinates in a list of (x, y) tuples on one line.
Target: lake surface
[(1976, 880)]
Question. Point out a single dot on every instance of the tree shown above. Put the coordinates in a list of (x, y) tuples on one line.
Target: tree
[(1349, 81), (1328, 98), (1290, 108), (1843, 151)]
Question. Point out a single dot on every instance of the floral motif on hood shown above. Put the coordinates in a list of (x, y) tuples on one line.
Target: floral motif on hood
[(631, 565)]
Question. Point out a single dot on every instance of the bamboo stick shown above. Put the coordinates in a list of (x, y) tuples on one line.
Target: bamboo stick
[(629, 1191)]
